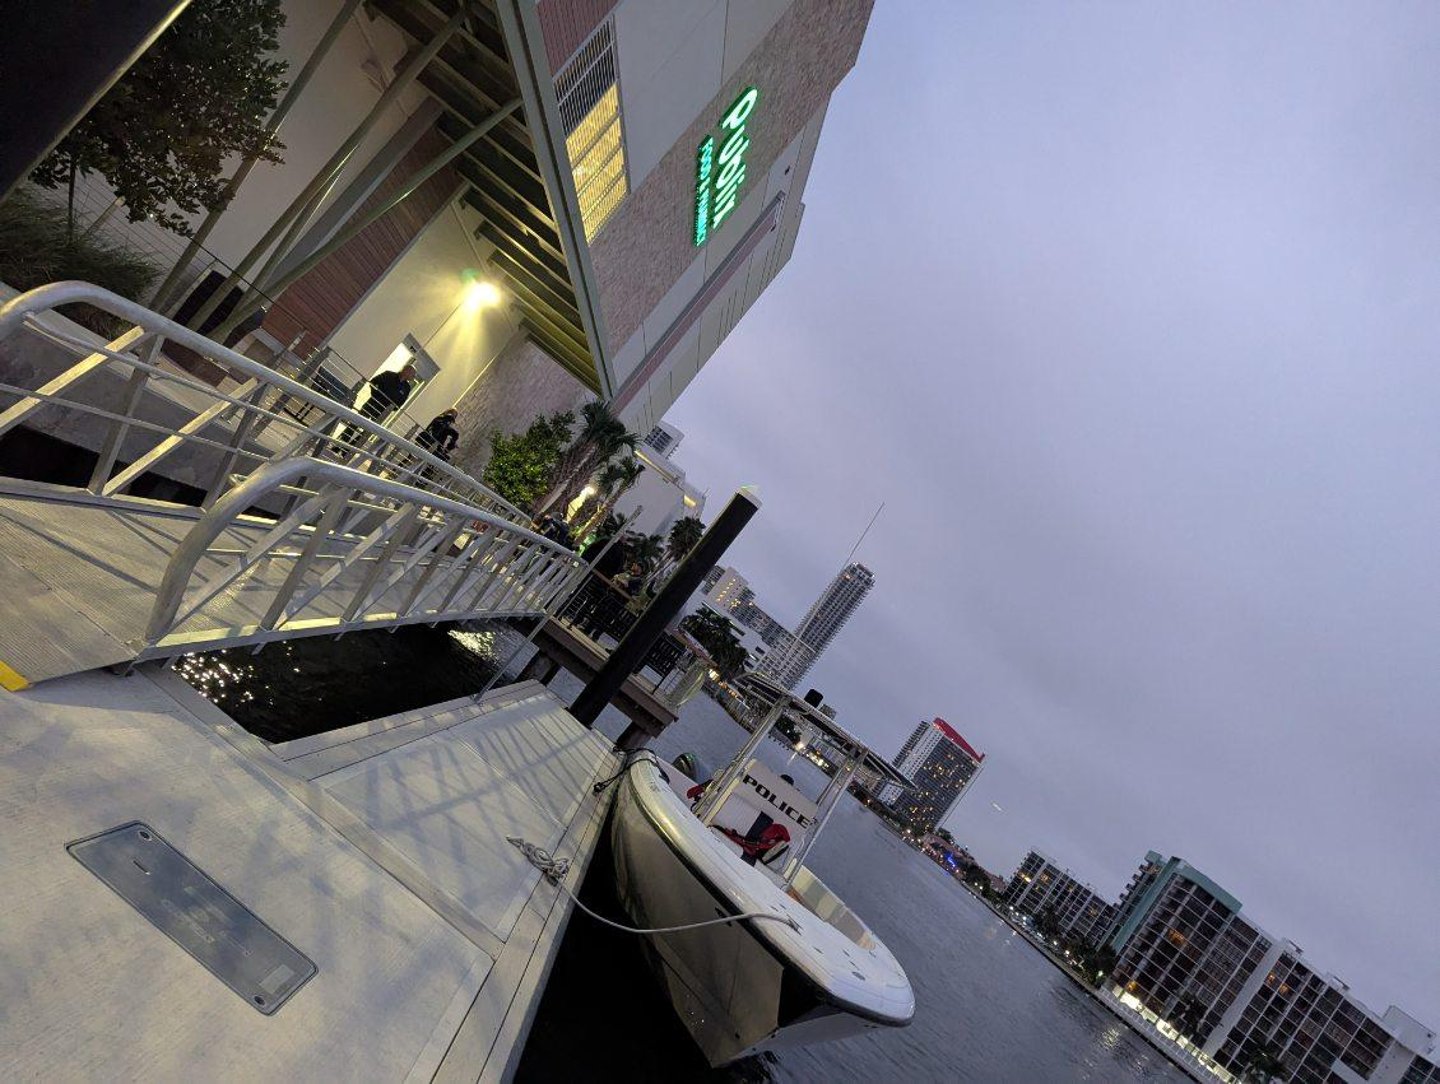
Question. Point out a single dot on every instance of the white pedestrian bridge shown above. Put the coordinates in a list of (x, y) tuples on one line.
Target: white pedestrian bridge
[(314, 519)]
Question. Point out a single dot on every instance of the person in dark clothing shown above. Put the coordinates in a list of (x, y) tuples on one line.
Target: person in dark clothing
[(388, 392), (634, 580), (440, 436)]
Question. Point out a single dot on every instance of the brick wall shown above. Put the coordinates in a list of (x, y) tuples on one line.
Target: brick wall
[(566, 24), (521, 383), (796, 67)]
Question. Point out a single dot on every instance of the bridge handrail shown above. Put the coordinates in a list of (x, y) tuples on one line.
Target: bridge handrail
[(550, 566), (32, 303)]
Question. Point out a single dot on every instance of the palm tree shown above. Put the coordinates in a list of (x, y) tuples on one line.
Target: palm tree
[(719, 639), (646, 550), (614, 479), (1264, 1065), (600, 438), (685, 534)]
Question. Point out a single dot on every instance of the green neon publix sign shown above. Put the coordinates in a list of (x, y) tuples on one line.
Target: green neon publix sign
[(718, 177)]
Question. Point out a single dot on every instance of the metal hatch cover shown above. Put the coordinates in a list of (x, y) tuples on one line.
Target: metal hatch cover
[(191, 909)]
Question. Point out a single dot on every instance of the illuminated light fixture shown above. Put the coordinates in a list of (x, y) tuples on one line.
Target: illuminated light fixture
[(482, 294), (719, 172)]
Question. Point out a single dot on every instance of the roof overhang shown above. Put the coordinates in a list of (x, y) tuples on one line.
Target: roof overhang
[(767, 692), (517, 175)]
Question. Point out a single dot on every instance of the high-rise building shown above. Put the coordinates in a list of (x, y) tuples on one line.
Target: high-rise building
[(731, 590), (825, 618), (1238, 995), (835, 606), (942, 765), (1044, 890)]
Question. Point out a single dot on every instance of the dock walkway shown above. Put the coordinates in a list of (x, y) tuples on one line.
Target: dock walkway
[(378, 851), (81, 580)]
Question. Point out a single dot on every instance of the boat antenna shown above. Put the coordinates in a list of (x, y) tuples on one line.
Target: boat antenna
[(863, 534)]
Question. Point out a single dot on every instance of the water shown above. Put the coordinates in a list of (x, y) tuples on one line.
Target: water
[(296, 688), (989, 1007)]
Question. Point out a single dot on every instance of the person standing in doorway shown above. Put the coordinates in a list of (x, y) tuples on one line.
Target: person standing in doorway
[(388, 392)]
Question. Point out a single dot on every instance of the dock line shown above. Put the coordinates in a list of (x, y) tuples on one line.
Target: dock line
[(554, 870)]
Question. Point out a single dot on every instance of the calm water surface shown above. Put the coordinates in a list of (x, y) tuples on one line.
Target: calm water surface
[(988, 1006)]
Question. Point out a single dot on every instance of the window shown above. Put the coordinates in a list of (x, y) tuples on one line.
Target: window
[(589, 99)]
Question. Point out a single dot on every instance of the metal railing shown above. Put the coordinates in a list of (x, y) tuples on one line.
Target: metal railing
[(355, 551), (151, 412)]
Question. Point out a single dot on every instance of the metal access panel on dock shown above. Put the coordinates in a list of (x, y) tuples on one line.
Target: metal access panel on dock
[(192, 910)]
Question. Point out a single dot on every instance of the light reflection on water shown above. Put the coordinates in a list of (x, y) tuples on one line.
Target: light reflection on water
[(220, 679), (295, 688)]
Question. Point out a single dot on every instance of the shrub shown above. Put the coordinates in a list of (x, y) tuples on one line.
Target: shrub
[(35, 248)]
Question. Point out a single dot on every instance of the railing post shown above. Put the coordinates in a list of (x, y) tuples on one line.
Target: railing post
[(130, 401), (244, 426), (321, 533), (397, 538)]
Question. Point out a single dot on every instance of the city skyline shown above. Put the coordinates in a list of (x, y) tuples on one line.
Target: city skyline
[(1157, 443)]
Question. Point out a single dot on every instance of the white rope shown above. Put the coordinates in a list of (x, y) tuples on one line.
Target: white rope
[(554, 870)]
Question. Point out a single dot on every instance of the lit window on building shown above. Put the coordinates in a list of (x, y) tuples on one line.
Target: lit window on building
[(589, 101)]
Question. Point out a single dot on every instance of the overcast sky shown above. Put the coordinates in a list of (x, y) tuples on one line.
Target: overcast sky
[(1129, 314)]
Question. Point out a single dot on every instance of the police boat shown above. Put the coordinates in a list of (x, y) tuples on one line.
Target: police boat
[(759, 953)]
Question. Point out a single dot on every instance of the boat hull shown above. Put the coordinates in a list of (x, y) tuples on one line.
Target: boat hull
[(736, 991)]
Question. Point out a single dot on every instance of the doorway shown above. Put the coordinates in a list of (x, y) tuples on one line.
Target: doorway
[(408, 352)]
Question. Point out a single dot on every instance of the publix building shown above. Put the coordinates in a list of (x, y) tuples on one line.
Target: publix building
[(629, 173), (717, 107)]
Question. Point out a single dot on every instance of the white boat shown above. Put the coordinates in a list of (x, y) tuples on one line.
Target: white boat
[(806, 968)]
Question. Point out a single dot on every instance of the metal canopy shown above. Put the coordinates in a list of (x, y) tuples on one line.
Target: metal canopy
[(472, 77), (768, 692)]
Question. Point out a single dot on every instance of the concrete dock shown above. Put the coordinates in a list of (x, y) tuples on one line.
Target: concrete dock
[(378, 852)]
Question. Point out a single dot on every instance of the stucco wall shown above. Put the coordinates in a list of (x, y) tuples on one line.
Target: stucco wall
[(423, 296)]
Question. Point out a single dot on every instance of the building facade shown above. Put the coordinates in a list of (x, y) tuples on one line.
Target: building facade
[(942, 765), (663, 438), (822, 622), (1236, 997), (660, 496), (1053, 896), (628, 173)]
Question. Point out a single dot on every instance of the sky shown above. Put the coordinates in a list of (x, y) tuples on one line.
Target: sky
[(1128, 313)]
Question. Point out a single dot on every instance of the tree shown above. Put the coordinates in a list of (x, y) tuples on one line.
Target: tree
[(1263, 1065), (162, 134), (1047, 922), (647, 550), (1187, 1016), (600, 438), (522, 466), (685, 534), (614, 479), (719, 639)]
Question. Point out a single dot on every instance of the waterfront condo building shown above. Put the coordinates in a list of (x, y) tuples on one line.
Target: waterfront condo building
[(1190, 962), (1056, 899), (942, 765), (628, 173), (822, 622)]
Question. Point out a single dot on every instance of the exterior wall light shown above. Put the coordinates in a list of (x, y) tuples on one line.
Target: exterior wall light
[(482, 294)]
